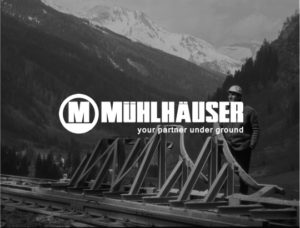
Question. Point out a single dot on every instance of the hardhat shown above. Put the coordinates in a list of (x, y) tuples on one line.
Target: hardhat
[(236, 89)]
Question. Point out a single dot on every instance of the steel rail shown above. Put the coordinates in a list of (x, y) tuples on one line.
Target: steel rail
[(141, 213)]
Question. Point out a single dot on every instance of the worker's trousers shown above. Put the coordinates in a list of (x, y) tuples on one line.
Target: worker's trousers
[(243, 158)]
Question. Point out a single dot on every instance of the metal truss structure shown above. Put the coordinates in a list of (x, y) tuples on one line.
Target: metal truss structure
[(118, 169)]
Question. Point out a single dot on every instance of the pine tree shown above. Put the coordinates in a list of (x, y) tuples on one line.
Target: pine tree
[(38, 167), (73, 158), (24, 165)]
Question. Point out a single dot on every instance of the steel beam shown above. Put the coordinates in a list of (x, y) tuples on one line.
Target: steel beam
[(213, 164), (229, 190), (171, 180), (152, 146), (217, 184), (162, 161), (127, 165), (104, 168), (87, 168), (79, 169), (195, 172)]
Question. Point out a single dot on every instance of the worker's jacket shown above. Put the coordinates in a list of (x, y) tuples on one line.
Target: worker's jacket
[(247, 139)]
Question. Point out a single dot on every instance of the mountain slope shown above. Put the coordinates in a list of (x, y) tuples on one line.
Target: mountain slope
[(138, 27), (47, 55)]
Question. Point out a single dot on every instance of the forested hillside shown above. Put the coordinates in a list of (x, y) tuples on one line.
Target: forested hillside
[(271, 85)]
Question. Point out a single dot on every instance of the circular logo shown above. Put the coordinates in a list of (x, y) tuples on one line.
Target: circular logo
[(78, 113)]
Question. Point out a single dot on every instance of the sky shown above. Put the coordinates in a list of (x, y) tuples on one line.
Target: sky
[(220, 22)]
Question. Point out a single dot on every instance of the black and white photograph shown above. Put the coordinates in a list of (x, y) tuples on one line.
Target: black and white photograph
[(149, 113)]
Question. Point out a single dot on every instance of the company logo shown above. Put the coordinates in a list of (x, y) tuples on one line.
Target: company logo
[(78, 113)]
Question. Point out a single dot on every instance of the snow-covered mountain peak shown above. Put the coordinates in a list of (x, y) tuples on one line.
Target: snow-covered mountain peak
[(123, 21), (138, 27)]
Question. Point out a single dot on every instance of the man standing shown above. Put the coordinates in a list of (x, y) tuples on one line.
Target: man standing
[(241, 144)]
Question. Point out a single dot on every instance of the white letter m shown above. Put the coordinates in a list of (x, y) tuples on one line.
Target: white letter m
[(81, 114)]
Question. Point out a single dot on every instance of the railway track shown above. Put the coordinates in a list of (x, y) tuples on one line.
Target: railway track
[(25, 194), (93, 210)]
